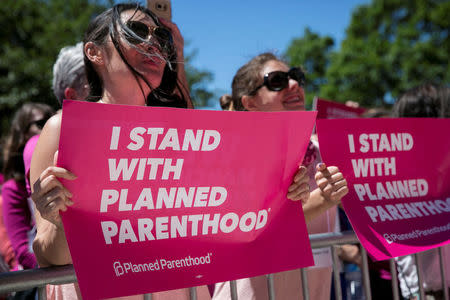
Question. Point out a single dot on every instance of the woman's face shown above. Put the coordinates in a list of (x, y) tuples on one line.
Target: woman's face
[(152, 68), (36, 123), (291, 98)]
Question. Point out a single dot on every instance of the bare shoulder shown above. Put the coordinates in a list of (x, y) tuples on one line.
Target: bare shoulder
[(50, 133), (46, 147), (54, 123)]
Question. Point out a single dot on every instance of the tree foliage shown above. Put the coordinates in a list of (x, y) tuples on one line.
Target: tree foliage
[(198, 81), (312, 52), (390, 46), (32, 33)]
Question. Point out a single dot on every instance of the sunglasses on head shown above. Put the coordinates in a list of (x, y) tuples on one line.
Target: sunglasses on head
[(145, 32), (279, 80)]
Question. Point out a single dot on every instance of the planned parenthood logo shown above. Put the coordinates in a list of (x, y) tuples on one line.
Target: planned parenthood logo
[(160, 264)]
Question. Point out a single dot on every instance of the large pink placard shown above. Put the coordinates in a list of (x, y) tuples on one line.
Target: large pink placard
[(171, 198), (398, 172)]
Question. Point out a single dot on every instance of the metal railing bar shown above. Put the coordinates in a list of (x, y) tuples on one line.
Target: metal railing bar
[(147, 296), (233, 290), (336, 274), (365, 274), (193, 293), (305, 288), (270, 287), (42, 293), (27, 279), (443, 275), (394, 280), (328, 239), (419, 276)]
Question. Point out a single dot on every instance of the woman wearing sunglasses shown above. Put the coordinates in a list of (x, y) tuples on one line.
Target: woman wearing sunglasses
[(18, 218), (131, 57), (266, 83)]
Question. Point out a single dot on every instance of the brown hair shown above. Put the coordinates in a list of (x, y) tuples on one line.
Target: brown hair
[(104, 26), (226, 102), (248, 77), (17, 138), (424, 101)]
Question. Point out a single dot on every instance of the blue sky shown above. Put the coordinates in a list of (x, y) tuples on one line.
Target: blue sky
[(226, 34)]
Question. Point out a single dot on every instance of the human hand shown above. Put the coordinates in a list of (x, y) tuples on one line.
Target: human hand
[(299, 189), (49, 195), (350, 253), (331, 182)]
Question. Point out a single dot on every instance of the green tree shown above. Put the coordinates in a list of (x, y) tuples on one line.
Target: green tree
[(312, 52), (198, 80), (33, 32), (390, 46)]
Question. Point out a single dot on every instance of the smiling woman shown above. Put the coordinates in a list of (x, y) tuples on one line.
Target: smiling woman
[(266, 83)]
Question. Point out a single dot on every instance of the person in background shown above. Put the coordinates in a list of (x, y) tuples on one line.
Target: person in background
[(17, 207), (69, 82), (266, 83), (424, 101), (69, 77), (226, 103), (17, 211), (8, 260)]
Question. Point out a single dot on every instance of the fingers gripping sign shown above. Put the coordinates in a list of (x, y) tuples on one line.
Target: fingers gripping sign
[(49, 195), (299, 189), (331, 183)]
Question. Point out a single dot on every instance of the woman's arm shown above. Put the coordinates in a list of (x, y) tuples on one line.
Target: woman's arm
[(332, 186), (50, 196)]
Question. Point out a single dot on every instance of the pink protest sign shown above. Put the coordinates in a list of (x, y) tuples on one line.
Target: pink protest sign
[(327, 109), (397, 171), (171, 198)]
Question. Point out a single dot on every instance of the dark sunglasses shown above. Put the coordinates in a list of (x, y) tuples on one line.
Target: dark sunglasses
[(39, 123), (279, 80), (145, 32)]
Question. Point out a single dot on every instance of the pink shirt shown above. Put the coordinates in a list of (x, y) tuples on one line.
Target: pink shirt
[(27, 155)]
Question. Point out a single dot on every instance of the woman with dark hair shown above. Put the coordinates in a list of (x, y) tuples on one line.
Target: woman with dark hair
[(423, 101), (266, 83), (27, 121), (145, 47), (17, 208), (133, 58), (130, 58)]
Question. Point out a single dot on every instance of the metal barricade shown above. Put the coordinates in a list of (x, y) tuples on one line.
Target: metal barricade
[(27, 279)]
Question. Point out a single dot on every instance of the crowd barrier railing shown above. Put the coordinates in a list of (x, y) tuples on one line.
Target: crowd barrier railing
[(27, 279)]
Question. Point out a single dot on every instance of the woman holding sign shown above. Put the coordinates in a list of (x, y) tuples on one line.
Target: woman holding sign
[(131, 57), (266, 83)]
